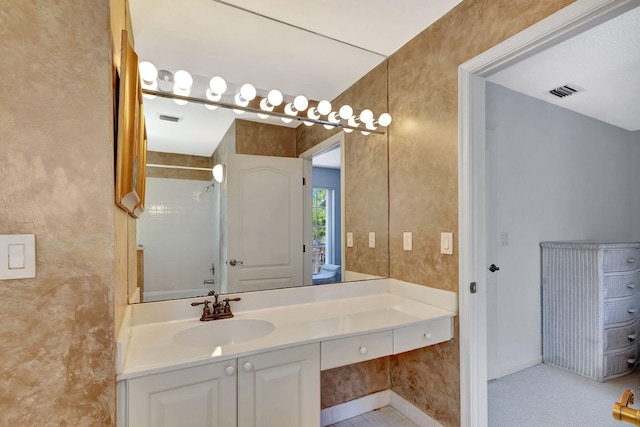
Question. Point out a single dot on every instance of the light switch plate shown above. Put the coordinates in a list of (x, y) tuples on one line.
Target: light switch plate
[(349, 239), (372, 239), (17, 256), (446, 243)]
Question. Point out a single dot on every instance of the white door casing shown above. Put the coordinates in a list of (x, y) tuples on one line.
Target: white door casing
[(573, 19), (264, 222)]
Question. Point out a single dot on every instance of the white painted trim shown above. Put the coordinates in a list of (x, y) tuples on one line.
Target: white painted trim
[(307, 233), (512, 369), (355, 407), (325, 145), (575, 18)]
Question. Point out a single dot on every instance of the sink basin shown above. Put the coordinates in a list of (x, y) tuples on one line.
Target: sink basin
[(223, 332)]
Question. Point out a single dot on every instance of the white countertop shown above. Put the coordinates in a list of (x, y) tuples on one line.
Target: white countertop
[(149, 347)]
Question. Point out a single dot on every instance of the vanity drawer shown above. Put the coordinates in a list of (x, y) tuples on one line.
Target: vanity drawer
[(346, 351), (621, 260), (422, 335), (620, 311), (621, 337), (621, 285), (620, 363)]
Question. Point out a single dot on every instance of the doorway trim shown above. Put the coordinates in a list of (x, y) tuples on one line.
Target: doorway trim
[(307, 156), (573, 19)]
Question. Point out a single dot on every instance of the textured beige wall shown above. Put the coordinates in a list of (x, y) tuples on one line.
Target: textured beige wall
[(361, 379), (264, 139), (423, 178), (366, 177), (56, 170)]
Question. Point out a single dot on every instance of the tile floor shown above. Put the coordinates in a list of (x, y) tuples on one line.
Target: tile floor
[(383, 417)]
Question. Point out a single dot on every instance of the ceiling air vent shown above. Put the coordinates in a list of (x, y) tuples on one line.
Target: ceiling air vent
[(566, 90), (166, 118)]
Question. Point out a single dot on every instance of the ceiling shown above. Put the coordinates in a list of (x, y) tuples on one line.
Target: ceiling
[(318, 49), (604, 61)]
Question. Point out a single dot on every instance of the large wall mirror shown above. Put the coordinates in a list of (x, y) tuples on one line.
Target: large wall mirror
[(259, 227)]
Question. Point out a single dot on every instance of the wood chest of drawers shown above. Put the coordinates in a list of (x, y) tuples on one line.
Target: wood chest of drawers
[(590, 307)]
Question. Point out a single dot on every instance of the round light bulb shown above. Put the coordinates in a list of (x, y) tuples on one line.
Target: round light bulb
[(152, 86), (263, 116), (238, 111), (275, 97), (366, 116), (346, 112), (307, 123), (148, 72), (333, 117), (353, 122), (329, 127), (218, 173), (365, 133), (284, 119), (312, 114), (324, 107), (370, 126), (347, 130), (183, 79), (240, 100), (384, 119), (300, 103), (288, 109), (247, 91), (211, 97), (265, 105), (218, 85), (181, 92)]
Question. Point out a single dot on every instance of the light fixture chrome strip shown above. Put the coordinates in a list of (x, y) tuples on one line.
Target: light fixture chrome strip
[(170, 95), (154, 165), (299, 28)]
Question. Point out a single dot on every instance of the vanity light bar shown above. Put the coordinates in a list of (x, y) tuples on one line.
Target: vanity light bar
[(184, 98)]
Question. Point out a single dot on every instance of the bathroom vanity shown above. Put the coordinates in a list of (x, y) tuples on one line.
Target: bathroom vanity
[(262, 367)]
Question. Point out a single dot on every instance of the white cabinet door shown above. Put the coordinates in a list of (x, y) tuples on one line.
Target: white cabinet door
[(203, 396), (280, 388)]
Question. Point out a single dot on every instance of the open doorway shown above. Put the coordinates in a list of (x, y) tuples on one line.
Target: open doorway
[(475, 181), (324, 210)]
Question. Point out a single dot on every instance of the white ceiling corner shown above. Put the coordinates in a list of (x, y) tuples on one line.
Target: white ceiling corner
[(604, 61)]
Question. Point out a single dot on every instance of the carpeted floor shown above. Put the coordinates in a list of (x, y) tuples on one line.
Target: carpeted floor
[(546, 396)]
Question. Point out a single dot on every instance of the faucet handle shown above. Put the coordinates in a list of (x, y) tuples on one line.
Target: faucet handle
[(205, 302)]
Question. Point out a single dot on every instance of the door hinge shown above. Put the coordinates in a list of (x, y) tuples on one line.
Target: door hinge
[(304, 181), (473, 287), (304, 248)]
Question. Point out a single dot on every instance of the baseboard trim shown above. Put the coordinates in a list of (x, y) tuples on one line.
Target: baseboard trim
[(353, 408), (412, 412), (512, 369), (374, 401)]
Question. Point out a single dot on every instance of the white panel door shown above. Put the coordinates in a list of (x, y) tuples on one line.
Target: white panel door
[(280, 388), (204, 396), (264, 222)]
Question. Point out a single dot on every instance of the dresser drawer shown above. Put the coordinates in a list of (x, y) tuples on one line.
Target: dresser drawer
[(621, 260), (620, 363), (346, 351), (621, 337), (422, 335), (619, 311), (621, 285)]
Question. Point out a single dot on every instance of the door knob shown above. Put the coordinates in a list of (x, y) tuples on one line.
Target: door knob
[(493, 268), (234, 262), (248, 366)]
